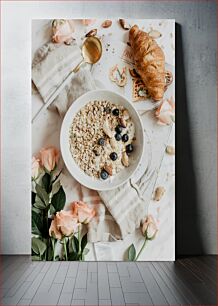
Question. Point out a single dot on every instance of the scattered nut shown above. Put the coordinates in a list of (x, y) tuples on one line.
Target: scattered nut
[(124, 25), (113, 143), (159, 192), (123, 122), (126, 115), (125, 159), (168, 78), (154, 34), (170, 150), (109, 169), (107, 130), (69, 42), (91, 33), (106, 24)]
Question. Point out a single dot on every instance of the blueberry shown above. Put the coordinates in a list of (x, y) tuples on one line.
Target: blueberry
[(101, 141), (113, 156), (118, 137), (115, 112), (129, 148), (125, 138), (104, 174), (107, 110), (119, 129)]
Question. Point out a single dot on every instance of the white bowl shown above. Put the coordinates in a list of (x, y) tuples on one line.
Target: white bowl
[(135, 157)]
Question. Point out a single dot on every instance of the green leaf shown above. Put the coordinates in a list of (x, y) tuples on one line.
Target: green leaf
[(35, 258), (41, 192), (50, 253), (36, 210), (52, 209), (131, 252), (75, 244), (73, 256), (38, 246), (46, 179), (84, 242), (39, 203), (85, 251), (56, 186), (37, 223), (33, 197), (58, 200)]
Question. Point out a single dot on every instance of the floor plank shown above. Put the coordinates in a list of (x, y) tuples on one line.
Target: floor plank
[(179, 283), (165, 289), (154, 290), (188, 281)]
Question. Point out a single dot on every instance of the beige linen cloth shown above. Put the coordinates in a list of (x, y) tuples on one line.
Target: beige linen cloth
[(119, 211)]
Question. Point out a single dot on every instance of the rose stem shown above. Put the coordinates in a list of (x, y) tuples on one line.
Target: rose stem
[(65, 248), (142, 248), (47, 236), (79, 239), (53, 247)]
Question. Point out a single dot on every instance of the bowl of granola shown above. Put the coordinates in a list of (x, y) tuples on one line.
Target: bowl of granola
[(102, 140)]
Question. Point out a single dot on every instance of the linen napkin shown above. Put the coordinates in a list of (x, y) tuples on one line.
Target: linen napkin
[(119, 211), (51, 64)]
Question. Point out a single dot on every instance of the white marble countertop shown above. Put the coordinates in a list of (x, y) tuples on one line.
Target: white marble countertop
[(45, 132)]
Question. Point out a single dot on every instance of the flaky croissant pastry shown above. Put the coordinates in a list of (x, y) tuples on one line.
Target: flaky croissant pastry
[(149, 62)]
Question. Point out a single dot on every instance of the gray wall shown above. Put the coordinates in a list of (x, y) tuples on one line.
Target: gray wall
[(196, 113)]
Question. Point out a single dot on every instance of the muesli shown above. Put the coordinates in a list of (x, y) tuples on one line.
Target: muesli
[(101, 138)]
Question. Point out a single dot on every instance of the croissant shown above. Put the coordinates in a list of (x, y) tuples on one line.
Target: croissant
[(149, 62)]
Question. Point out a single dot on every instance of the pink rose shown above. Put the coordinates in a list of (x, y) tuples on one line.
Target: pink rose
[(62, 30), (49, 158), (88, 22), (35, 167), (54, 231), (149, 228), (67, 223), (82, 212), (165, 113)]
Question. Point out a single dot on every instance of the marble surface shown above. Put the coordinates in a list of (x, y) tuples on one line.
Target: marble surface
[(196, 94), (46, 129)]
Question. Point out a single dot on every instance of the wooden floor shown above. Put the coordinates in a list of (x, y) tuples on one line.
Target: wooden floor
[(188, 281)]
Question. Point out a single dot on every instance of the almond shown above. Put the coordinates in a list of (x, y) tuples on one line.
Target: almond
[(91, 33), (107, 130), (124, 24), (126, 115), (106, 24), (170, 150), (109, 169), (154, 34), (125, 159), (123, 122), (159, 192)]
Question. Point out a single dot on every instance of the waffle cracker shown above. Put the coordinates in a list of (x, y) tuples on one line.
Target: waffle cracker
[(139, 91)]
